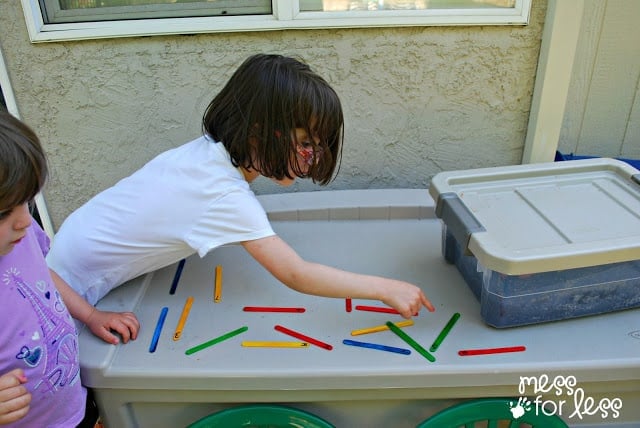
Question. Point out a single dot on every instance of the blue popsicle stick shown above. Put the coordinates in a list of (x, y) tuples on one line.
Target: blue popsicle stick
[(156, 333), (176, 277), (376, 346)]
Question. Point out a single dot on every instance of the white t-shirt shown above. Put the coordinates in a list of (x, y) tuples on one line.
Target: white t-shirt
[(186, 200)]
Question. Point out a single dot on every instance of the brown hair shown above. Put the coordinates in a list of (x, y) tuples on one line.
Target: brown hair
[(265, 99), (23, 165)]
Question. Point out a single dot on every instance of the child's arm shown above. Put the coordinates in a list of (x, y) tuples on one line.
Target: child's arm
[(101, 323), (286, 265), (14, 397)]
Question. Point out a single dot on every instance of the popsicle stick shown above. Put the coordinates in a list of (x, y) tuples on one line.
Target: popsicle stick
[(445, 331), (176, 277), (273, 309), (379, 328), (303, 337), (217, 291), (409, 340), (158, 330), (274, 344), (487, 351), (216, 340), (376, 346), (183, 318)]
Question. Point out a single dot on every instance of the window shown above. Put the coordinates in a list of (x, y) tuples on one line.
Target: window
[(52, 20), (61, 11)]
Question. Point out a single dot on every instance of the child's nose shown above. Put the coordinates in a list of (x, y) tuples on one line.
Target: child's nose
[(23, 217)]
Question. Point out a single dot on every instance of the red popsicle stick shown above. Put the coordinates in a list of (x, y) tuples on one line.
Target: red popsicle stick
[(470, 352), (378, 309), (272, 309), (303, 337)]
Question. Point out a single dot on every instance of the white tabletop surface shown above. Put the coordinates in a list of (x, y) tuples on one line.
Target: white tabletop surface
[(604, 348)]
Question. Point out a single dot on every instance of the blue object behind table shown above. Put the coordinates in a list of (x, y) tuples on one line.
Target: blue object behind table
[(565, 157)]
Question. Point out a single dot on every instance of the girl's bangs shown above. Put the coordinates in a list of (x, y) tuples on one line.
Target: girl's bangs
[(326, 117), (18, 190)]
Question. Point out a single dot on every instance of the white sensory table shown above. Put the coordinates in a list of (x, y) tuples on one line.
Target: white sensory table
[(392, 233)]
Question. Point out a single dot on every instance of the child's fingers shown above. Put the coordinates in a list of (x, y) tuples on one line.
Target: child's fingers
[(131, 321), (14, 397), (106, 335), (408, 312), (13, 378), (120, 326), (127, 327), (15, 410), (100, 327), (125, 324), (124, 333), (427, 303), (133, 332), (407, 315)]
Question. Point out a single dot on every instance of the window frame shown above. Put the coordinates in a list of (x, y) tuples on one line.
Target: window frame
[(286, 15)]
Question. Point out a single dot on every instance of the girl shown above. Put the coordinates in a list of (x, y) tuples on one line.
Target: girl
[(276, 118), (39, 372)]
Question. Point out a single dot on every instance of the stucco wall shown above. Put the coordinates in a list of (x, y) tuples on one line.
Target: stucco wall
[(417, 100)]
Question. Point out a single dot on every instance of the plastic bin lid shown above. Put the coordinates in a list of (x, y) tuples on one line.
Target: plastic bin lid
[(543, 217)]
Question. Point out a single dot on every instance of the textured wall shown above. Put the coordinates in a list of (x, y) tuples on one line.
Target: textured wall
[(417, 100)]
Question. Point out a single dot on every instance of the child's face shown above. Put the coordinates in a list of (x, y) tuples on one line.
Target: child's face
[(13, 226), (304, 147)]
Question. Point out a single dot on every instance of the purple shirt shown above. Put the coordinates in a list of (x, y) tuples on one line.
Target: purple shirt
[(38, 335)]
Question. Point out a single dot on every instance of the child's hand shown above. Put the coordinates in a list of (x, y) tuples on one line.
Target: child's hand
[(406, 298), (101, 323), (14, 397)]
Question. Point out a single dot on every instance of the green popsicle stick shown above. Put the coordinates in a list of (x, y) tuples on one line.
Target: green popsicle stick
[(445, 331), (216, 340), (415, 345)]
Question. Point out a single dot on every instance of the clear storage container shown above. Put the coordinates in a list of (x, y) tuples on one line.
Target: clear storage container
[(544, 242)]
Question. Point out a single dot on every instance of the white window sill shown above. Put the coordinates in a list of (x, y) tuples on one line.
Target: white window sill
[(286, 16)]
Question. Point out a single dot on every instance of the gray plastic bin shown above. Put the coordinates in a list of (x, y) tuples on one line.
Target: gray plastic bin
[(544, 242)]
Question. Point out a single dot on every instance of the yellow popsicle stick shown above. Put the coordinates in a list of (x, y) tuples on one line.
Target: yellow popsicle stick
[(275, 344), (379, 328), (217, 291), (183, 318)]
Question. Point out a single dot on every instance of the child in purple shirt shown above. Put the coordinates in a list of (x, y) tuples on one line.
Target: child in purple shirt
[(39, 370)]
